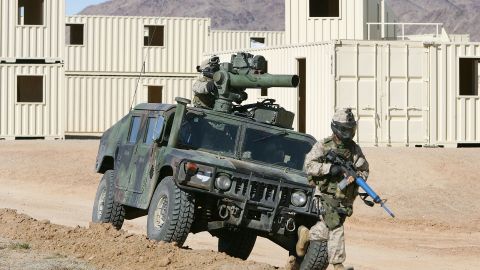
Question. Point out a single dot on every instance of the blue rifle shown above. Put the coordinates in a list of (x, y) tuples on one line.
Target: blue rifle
[(350, 170)]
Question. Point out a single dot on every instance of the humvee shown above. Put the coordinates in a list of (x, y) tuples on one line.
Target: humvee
[(235, 172)]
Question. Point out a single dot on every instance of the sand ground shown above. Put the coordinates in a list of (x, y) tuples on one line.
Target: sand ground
[(434, 192)]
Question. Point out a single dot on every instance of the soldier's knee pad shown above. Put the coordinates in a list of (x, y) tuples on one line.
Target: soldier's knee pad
[(319, 232)]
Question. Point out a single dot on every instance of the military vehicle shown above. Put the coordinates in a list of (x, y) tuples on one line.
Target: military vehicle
[(234, 171)]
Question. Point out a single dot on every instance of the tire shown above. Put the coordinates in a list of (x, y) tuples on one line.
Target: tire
[(316, 257), (238, 244), (105, 209), (171, 213)]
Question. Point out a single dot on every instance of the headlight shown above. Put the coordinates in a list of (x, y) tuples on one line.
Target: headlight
[(299, 198), (223, 182)]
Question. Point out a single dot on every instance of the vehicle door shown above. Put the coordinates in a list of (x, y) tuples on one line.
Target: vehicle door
[(126, 150), (143, 167)]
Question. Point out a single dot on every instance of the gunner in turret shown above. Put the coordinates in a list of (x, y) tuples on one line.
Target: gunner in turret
[(204, 88)]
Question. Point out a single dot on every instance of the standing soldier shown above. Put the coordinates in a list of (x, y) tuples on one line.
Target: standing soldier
[(204, 88), (336, 204)]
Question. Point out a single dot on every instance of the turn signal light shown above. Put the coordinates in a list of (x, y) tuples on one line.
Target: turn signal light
[(191, 168)]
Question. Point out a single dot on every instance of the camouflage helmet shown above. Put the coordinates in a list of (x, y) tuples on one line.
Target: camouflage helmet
[(344, 125), (212, 61)]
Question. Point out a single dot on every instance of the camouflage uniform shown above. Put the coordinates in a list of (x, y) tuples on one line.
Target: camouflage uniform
[(338, 204), (203, 89)]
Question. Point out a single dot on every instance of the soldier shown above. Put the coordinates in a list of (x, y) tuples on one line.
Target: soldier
[(204, 88), (337, 204)]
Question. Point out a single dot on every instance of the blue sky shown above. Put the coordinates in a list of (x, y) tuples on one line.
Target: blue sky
[(75, 6)]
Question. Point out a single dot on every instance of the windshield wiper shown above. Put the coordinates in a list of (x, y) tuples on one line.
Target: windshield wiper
[(281, 133)]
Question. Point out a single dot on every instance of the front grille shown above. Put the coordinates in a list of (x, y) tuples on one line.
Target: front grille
[(255, 190)]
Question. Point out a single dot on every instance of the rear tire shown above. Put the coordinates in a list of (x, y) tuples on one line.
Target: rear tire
[(171, 213), (237, 243), (316, 257), (105, 209)]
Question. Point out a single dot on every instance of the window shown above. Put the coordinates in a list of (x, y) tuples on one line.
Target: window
[(324, 8), (154, 129), (30, 89), (154, 35), (30, 12), (264, 92), (469, 76), (155, 94), (74, 34), (257, 42), (134, 129)]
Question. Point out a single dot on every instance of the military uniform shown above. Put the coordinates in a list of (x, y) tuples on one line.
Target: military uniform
[(337, 204), (203, 98)]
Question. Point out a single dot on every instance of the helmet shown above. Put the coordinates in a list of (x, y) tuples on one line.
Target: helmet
[(344, 125)]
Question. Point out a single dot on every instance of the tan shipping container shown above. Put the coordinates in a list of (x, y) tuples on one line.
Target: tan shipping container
[(403, 93), (111, 45), (32, 30), (225, 40), (32, 101), (318, 21), (95, 103)]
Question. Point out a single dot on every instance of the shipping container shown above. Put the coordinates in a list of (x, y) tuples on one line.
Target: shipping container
[(32, 101), (310, 21), (403, 93), (95, 103), (32, 29), (110, 45), (226, 40)]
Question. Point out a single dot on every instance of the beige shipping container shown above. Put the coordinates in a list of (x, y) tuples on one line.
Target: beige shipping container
[(111, 45), (317, 21), (403, 93), (95, 103), (32, 101), (225, 40), (32, 29)]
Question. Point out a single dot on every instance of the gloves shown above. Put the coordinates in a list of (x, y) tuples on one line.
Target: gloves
[(335, 170), (211, 88)]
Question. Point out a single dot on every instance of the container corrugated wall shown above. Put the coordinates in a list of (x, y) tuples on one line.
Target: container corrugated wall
[(45, 119), (45, 41), (455, 118), (95, 103), (300, 28), (116, 45), (224, 40), (283, 60)]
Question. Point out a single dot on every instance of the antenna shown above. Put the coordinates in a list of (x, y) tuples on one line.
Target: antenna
[(142, 71)]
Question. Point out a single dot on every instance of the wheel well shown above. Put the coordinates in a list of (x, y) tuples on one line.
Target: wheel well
[(107, 164), (164, 172)]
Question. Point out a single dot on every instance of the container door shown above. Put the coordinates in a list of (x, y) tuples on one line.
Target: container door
[(357, 88), (405, 97)]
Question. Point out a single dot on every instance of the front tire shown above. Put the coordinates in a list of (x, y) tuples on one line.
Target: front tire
[(316, 257), (238, 243), (171, 212), (105, 209)]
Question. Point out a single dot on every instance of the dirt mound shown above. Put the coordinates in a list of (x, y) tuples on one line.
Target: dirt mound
[(106, 248)]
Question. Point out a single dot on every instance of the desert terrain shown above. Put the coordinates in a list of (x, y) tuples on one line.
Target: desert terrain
[(433, 192)]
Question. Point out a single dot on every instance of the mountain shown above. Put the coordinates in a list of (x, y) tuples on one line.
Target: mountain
[(459, 16)]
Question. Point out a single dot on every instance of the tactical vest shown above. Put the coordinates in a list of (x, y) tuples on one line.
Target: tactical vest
[(334, 199)]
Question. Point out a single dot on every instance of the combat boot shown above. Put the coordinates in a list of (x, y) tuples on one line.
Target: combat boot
[(341, 267), (303, 240)]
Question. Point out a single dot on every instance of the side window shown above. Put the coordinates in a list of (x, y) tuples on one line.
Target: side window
[(134, 129), (154, 129)]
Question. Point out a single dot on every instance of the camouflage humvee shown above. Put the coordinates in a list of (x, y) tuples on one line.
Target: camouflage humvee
[(237, 175)]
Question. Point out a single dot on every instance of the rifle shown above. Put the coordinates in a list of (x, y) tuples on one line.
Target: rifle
[(350, 170)]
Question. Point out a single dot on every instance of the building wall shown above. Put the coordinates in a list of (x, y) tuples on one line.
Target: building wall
[(32, 41), (44, 119), (95, 103), (116, 45), (225, 40), (301, 28)]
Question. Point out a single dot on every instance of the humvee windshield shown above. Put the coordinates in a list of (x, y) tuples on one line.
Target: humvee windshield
[(198, 132), (279, 148)]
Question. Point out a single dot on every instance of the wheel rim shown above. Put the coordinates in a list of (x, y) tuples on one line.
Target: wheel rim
[(160, 215), (101, 203)]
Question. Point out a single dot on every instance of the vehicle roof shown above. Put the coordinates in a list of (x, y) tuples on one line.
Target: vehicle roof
[(154, 107)]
